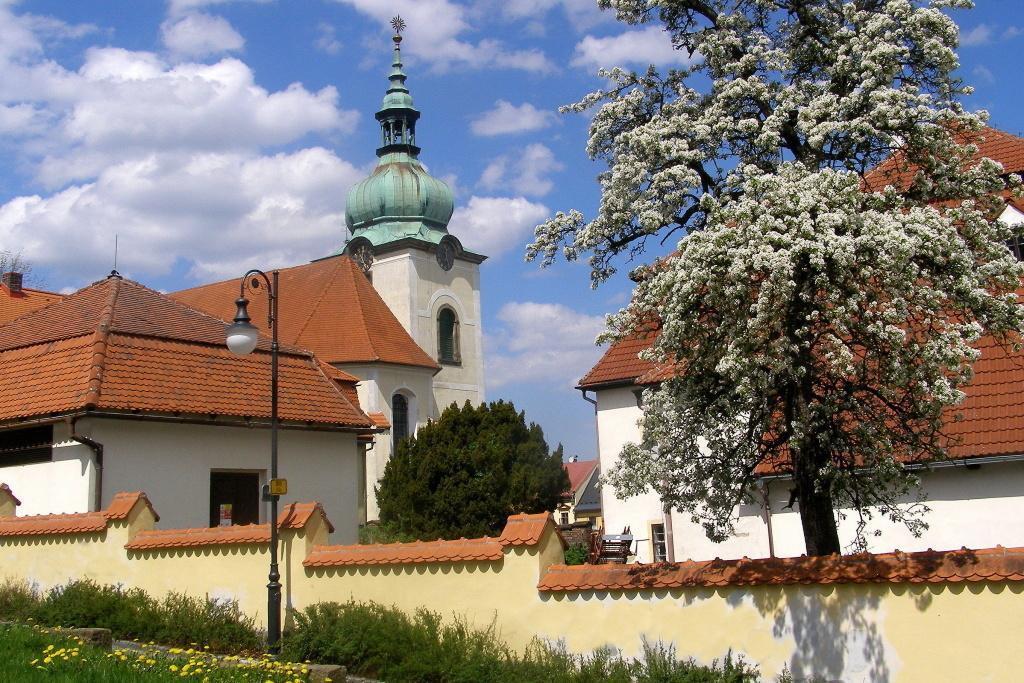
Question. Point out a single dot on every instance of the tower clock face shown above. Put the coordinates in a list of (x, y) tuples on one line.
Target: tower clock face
[(363, 256), (445, 255)]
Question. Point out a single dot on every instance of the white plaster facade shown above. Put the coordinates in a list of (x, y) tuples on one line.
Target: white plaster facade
[(379, 382), (416, 288), (172, 462), (978, 505)]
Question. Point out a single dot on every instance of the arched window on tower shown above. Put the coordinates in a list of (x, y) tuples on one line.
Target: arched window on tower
[(448, 337), (399, 419)]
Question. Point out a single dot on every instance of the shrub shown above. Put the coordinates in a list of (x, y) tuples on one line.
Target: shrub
[(18, 600), (384, 642), (133, 614), (576, 554)]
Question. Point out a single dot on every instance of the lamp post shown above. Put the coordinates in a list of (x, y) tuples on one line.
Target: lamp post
[(242, 337)]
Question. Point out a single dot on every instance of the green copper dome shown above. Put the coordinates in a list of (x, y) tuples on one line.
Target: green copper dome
[(400, 199)]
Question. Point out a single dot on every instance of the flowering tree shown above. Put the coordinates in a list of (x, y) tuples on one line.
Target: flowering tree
[(817, 315)]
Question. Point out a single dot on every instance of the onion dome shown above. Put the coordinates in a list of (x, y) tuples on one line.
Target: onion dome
[(400, 199)]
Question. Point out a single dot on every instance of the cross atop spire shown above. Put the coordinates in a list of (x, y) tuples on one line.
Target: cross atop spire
[(397, 114)]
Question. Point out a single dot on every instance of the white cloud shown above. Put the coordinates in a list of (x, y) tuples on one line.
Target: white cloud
[(641, 47), (979, 35), (438, 24), (176, 7), (582, 14), (506, 118), (496, 225), (525, 173), (200, 35), (178, 159), (541, 342), (983, 34), (983, 74), (326, 40), (121, 104), (220, 211)]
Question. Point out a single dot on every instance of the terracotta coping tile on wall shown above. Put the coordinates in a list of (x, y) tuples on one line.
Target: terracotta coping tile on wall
[(992, 564), (484, 549), (7, 489), (292, 516), (297, 516), (524, 529), (123, 502), (40, 525), (244, 534)]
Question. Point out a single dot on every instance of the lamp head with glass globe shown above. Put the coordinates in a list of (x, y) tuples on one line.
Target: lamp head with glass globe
[(242, 335)]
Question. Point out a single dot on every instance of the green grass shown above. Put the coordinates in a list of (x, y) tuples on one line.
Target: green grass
[(29, 654)]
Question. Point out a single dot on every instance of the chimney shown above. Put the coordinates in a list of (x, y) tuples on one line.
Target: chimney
[(574, 458), (12, 281)]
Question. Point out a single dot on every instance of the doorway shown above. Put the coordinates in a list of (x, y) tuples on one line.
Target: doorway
[(234, 498)]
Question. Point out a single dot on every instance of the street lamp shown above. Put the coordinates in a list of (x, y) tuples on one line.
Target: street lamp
[(242, 337)]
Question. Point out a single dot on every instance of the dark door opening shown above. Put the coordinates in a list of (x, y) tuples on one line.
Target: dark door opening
[(234, 498)]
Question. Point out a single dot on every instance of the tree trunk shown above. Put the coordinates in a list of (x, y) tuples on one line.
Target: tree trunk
[(817, 517)]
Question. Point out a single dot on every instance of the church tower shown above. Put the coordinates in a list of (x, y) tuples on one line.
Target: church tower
[(398, 223)]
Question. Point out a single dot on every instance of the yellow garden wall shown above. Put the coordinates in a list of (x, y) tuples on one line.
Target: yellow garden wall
[(945, 631)]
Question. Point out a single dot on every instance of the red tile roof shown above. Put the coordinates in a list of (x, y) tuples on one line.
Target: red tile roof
[(579, 473), (520, 530), (993, 564), (293, 516), (381, 420), (14, 305), (621, 364), (74, 523), (994, 144), (328, 307), (119, 346)]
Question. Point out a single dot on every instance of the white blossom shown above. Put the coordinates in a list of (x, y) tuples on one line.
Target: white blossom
[(807, 313)]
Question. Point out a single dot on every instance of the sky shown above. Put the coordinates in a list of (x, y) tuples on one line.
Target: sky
[(211, 136)]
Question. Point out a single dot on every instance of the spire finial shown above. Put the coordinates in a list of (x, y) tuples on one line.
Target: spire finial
[(399, 25)]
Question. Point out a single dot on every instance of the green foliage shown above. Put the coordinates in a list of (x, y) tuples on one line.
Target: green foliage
[(576, 554), (464, 474), (30, 654), (383, 642), (133, 614)]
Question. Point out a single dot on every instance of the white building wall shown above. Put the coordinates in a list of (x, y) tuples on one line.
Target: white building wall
[(617, 416), (415, 288), (171, 462), (379, 382), (977, 506), (64, 485)]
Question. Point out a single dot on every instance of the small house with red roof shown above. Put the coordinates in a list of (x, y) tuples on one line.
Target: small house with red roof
[(976, 497), (117, 387), (581, 503)]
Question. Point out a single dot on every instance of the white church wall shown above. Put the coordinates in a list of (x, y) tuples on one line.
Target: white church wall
[(415, 288), (379, 382), (172, 462), (65, 484)]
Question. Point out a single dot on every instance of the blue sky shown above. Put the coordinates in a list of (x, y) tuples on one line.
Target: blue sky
[(217, 135)]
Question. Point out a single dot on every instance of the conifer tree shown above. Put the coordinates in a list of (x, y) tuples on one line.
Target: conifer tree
[(465, 473)]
